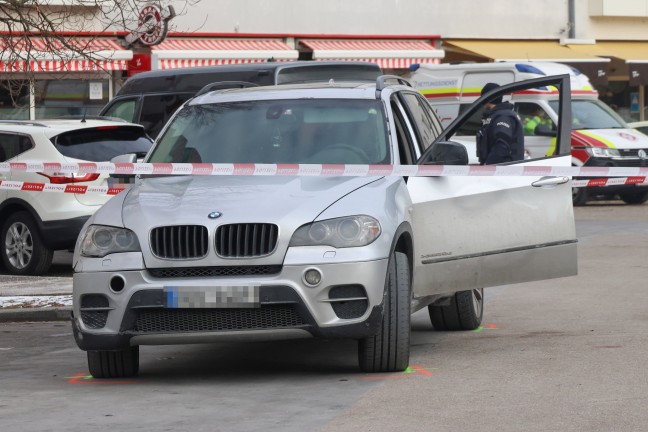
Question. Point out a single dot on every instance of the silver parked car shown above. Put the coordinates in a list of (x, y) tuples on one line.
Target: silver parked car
[(199, 259)]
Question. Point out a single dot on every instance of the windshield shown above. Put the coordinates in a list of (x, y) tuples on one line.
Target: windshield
[(317, 131), (592, 114)]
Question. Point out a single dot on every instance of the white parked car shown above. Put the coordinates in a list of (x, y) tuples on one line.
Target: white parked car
[(199, 259), (35, 224)]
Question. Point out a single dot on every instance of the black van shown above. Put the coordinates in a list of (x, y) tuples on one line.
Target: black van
[(151, 98)]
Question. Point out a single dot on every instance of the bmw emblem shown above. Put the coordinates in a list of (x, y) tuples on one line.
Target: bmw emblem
[(214, 215)]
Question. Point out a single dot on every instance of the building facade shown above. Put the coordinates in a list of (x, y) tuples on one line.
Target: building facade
[(606, 39)]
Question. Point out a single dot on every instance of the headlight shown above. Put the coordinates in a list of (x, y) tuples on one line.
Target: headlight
[(351, 231), (602, 151), (99, 241)]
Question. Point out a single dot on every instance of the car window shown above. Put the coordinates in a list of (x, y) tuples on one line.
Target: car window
[(102, 143), (426, 129), (123, 109), (283, 131), (11, 145), (405, 140), (319, 72), (158, 109), (533, 115), (471, 125)]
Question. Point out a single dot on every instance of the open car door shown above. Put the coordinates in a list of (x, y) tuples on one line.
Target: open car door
[(476, 232)]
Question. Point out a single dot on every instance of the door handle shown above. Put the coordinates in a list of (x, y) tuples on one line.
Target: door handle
[(550, 181)]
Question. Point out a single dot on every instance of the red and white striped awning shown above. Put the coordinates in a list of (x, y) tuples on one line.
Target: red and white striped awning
[(31, 54), (180, 53), (389, 54)]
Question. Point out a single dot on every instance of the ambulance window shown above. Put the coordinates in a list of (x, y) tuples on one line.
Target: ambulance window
[(533, 115), (472, 125)]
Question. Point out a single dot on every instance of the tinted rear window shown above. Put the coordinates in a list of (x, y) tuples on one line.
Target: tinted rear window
[(102, 143), (351, 72)]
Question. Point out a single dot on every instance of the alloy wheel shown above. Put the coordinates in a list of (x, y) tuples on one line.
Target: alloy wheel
[(19, 245)]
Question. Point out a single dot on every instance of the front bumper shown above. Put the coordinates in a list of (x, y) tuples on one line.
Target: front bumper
[(288, 308)]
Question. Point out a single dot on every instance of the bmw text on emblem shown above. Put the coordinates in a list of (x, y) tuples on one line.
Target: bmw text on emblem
[(642, 154), (214, 215)]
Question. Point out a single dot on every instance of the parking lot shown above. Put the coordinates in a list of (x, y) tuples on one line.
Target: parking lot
[(564, 354)]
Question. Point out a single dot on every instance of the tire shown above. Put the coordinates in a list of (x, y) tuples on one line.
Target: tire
[(389, 350), (464, 311), (22, 249), (114, 364), (579, 196), (634, 197)]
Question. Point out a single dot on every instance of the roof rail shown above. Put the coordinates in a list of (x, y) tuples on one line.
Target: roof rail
[(23, 122), (382, 82), (221, 85)]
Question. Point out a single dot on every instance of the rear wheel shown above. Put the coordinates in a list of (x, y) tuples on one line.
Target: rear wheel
[(389, 350), (634, 197), (114, 364), (463, 311), (23, 251)]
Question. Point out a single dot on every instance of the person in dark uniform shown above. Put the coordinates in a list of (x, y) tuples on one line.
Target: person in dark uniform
[(501, 136)]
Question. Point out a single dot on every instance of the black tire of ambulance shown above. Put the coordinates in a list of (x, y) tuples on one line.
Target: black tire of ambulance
[(634, 197)]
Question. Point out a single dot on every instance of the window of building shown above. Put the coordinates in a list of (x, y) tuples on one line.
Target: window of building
[(57, 98), (14, 100)]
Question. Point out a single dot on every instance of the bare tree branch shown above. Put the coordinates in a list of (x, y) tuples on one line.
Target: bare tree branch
[(63, 31)]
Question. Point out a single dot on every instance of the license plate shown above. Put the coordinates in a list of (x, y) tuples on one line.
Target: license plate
[(212, 297)]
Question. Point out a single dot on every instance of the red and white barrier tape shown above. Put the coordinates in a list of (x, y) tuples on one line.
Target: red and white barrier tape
[(616, 181), (320, 170), (606, 176), (68, 188)]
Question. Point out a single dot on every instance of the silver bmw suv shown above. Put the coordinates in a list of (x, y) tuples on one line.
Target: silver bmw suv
[(198, 259)]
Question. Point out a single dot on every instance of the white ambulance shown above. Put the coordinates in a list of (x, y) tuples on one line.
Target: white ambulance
[(599, 136)]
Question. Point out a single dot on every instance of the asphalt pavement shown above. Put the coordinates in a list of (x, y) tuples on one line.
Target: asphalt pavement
[(38, 298)]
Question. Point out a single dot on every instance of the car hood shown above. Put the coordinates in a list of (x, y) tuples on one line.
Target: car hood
[(189, 199), (288, 202), (613, 138)]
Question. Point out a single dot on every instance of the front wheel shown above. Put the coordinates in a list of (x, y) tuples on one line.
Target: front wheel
[(634, 197), (22, 250), (114, 364), (579, 196), (464, 311), (389, 350)]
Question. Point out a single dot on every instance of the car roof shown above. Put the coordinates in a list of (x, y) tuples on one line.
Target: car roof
[(53, 127), (244, 67), (191, 80), (319, 90)]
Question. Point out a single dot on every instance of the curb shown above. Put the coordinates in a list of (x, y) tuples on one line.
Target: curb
[(35, 314)]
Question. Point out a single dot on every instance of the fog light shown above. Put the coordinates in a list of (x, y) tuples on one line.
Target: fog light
[(312, 277)]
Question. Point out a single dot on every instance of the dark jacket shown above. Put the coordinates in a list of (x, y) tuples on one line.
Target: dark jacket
[(501, 137)]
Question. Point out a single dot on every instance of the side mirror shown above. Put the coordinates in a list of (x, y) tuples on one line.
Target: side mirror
[(543, 130), (447, 153), (125, 158)]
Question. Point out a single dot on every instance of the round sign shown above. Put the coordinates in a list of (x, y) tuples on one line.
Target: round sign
[(153, 27)]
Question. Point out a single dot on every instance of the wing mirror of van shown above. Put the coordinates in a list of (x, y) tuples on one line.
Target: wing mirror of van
[(447, 153), (545, 131)]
